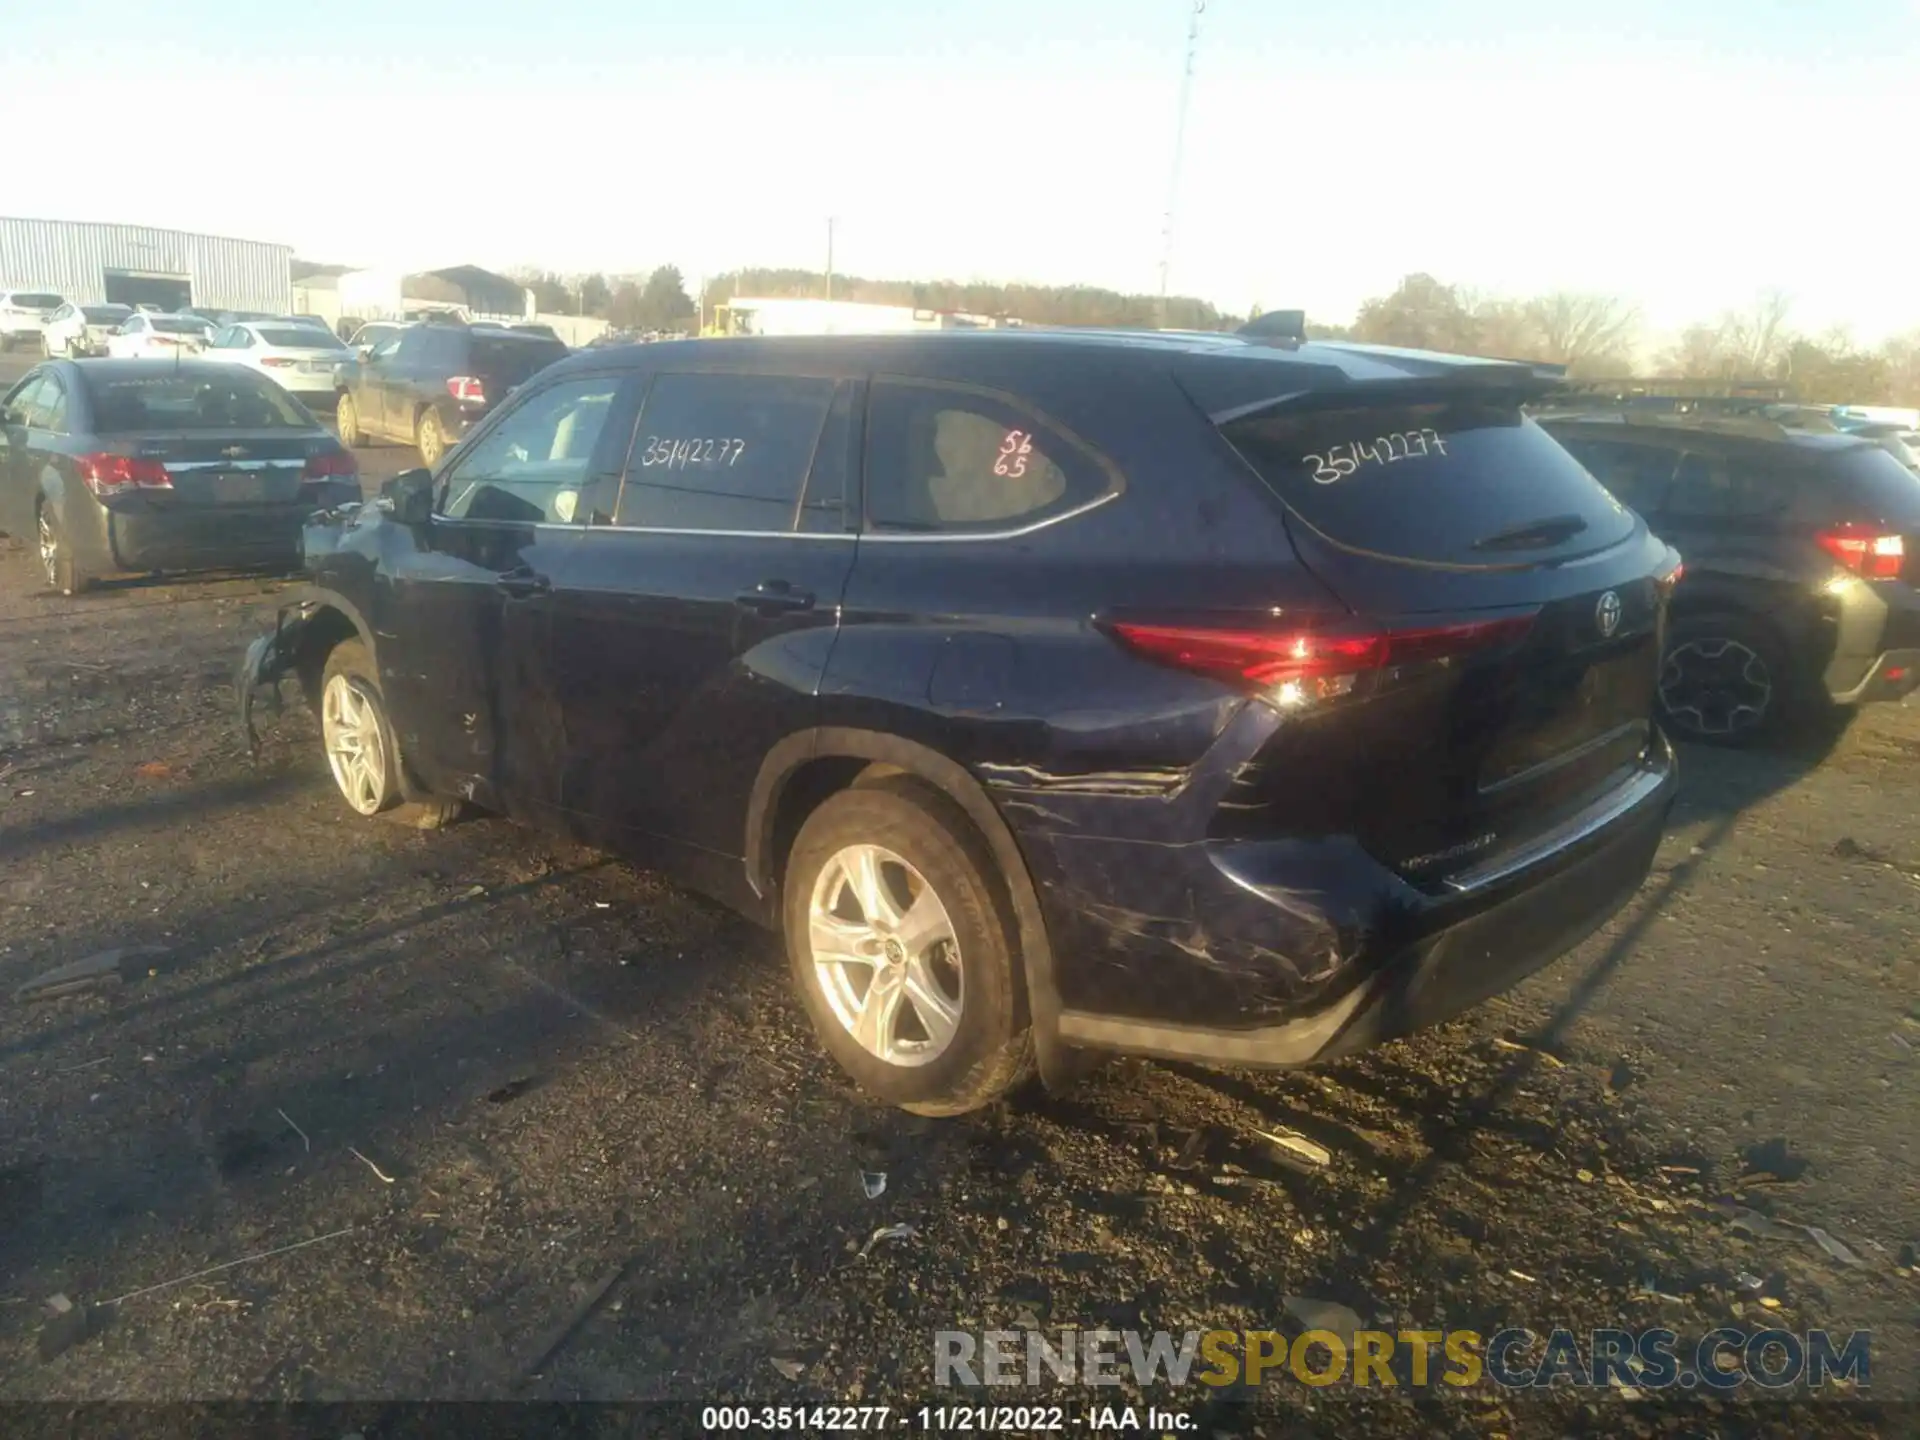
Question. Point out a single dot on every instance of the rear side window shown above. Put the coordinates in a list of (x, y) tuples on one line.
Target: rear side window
[(36, 300), (1635, 475), (50, 406), (303, 337), (1739, 487), (1875, 486), (943, 459), (1434, 481), (723, 452)]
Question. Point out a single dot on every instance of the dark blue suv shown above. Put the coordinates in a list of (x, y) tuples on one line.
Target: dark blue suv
[(1224, 698)]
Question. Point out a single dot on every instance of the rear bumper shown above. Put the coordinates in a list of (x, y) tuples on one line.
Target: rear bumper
[(1285, 953), (1877, 654), (206, 538)]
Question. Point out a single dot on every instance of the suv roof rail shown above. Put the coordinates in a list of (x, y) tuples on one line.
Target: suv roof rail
[(1636, 388)]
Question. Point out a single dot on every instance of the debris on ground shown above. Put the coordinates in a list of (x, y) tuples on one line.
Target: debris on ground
[(296, 1130), (59, 1304), (1747, 1280), (512, 1090), (379, 1174), (69, 1327), (591, 1301), (1620, 1077), (788, 1367), (229, 1265), (473, 892), (1328, 1315), (1772, 1160), (153, 770), (108, 967), (1907, 1259), (1191, 1151), (874, 1182), (902, 1231), (1509, 1043), (1759, 1226), (1298, 1146), (1834, 1248)]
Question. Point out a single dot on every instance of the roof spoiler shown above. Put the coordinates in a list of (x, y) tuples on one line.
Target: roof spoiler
[(1278, 327)]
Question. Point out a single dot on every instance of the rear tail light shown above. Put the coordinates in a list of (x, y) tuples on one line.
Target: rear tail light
[(1865, 551), (1304, 666), (331, 465), (108, 475), (277, 362), (467, 389)]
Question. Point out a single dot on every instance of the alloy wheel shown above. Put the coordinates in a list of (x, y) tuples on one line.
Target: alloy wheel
[(1716, 686), (49, 549), (885, 955), (355, 743)]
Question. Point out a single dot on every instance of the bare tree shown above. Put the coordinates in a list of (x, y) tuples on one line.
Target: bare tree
[(1759, 336), (1587, 333)]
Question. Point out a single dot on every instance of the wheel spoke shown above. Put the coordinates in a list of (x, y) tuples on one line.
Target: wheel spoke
[(924, 925), (840, 942), (879, 1007), (870, 888), (939, 1016)]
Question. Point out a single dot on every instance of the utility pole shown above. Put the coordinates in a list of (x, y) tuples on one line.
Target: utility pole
[(830, 257), (1179, 146)]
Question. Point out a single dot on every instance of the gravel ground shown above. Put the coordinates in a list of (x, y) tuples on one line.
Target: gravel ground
[(493, 1085)]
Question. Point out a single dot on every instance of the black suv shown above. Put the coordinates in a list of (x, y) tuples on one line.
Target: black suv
[(1799, 590), (426, 385), (1189, 696)]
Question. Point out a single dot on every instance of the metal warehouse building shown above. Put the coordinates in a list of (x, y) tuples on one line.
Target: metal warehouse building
[(133, 265)]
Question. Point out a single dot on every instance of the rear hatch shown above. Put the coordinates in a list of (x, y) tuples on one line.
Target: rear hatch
[(1522, 608), (1874, 514), (301, 350), (230, 438), (503, 362)]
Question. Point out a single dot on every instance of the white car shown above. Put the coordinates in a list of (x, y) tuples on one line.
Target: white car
[(78, 330), (24, 315), (301, 358), (161, 337)]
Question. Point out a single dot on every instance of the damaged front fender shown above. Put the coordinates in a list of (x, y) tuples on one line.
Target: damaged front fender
[(268, 660)]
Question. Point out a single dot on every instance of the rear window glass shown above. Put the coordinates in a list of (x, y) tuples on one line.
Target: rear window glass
[(307, 337), (240, 401), (105, 314), (1433, 481), (1879, 487), (168, 326), (35, 300), (513, 361)]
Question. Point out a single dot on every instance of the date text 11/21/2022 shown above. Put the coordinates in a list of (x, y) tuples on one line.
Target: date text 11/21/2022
[(1336, 465), (943, 1419)]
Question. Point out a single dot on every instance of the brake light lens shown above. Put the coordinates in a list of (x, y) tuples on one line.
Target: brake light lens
[(331, 465), (1866, 552), (109, 475), (1305, 666), (467, 389), (278, 362)]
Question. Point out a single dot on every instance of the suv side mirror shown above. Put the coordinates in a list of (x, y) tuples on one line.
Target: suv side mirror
[(410, 494)]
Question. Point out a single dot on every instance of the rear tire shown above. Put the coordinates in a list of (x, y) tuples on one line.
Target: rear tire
[(346, 422), (927, 1008), (1724, 680), (63, 571), (429, 439)]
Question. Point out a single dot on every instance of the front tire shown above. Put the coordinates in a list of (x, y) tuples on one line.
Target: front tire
[(360, 749), (1724, 680), (901, 951)]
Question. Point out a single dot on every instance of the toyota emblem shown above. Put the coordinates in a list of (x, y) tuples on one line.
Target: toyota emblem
[(1607, 613)]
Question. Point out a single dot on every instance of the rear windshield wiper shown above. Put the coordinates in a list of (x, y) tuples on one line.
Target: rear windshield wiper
[(1534, 535)]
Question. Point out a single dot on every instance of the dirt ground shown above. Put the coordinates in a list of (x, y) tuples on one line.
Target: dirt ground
[(492, 1086)]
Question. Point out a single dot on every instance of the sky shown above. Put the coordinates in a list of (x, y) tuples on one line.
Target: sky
[(1676, 153)]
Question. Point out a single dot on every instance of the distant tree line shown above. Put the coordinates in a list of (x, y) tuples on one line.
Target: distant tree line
[(1034, 304), (659, 301), (1598, 337)]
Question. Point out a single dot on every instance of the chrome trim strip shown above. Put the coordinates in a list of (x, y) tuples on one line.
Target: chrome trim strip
[(1579, 826), (1579, 752), (870, 536)]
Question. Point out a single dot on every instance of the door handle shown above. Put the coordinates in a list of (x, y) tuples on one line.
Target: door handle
[(523, 584), (774, 597)]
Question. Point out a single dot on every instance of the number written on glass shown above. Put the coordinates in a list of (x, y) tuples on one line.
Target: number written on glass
[(708, 452), (1014, 450), (1342, 460)]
